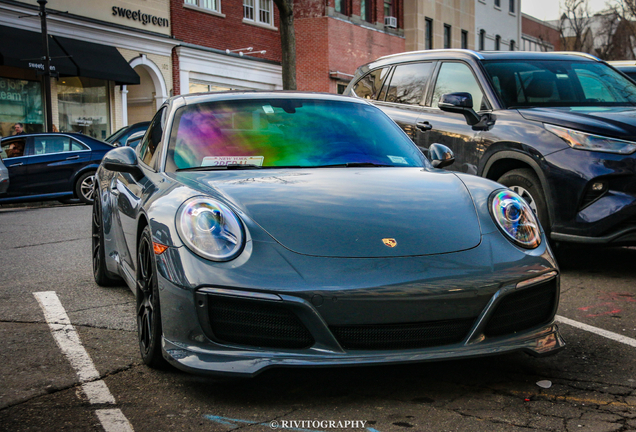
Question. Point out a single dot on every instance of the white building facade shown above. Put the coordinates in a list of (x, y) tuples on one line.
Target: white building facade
[(497, 25)]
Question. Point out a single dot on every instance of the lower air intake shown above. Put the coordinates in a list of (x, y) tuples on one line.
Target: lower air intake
[(402, 336), (257, 323), (523, 309)]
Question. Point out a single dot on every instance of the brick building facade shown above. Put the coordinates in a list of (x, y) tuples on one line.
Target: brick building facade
[(333, 38)]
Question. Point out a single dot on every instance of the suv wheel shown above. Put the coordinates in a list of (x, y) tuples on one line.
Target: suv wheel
[(526, 184)]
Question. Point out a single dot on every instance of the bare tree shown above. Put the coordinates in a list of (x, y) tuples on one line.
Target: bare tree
[(288, 42), (609, 36), (574, 24)]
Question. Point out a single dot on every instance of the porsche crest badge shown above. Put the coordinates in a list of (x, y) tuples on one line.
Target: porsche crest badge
[(389, 242)]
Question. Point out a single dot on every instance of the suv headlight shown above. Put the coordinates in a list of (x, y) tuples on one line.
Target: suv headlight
[(210, 229), (515, 218), (585, 141)]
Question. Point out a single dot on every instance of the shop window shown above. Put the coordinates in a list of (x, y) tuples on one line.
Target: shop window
[(214, 5), (20, 102), (408, 83), (83, 106), (197, 87), (259, 11)]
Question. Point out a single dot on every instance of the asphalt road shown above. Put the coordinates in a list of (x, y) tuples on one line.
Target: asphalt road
[(593, 381)]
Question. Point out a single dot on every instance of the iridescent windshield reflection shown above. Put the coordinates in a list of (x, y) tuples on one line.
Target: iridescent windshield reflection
[(287, 133)]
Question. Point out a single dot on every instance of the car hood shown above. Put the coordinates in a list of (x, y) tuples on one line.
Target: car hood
[(617, 122), (347, 212)]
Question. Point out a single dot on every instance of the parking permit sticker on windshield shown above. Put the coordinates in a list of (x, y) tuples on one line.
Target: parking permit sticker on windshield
[(397, 159), (268, 109), (232, 160)]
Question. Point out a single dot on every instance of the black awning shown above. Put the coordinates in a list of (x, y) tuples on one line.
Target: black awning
[(23, 49), (98, 61)]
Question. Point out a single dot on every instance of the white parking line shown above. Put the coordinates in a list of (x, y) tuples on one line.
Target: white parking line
[(608, 334), (69, 342)]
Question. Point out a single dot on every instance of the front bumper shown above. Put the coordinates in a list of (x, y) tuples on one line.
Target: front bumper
[(360, 294), (581, 215)]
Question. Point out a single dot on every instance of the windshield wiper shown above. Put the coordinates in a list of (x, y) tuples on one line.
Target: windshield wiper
[(221, 167), (353, 165)]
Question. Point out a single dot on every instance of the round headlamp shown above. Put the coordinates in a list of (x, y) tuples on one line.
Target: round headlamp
[(210, 229), (515, 218)]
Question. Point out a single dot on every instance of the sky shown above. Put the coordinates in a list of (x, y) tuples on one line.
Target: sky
[(549, 9)]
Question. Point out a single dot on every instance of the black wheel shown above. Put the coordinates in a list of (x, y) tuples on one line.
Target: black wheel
[(85, 187), (149, 329), (526, 184), (102, 276)]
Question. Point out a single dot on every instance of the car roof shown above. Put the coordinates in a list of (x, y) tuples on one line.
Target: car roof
[(193, 98), (462, 54)]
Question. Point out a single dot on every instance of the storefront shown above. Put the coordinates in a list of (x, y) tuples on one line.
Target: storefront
[(99, 58)]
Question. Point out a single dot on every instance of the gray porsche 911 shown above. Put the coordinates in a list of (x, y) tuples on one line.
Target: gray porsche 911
[(297, 229)]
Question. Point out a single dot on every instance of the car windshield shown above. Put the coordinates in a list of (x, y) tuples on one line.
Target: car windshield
[(293, 133), (558, 83), (114, 137)]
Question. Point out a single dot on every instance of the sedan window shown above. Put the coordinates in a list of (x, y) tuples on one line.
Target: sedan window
[(13, 148), (51, 144)]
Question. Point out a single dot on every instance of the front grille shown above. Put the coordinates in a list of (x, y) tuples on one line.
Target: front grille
[(402, 336), (523, 309), (257, 323)]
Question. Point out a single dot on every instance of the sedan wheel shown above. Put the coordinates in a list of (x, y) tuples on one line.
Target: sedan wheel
[(85, 187), (149, 329)]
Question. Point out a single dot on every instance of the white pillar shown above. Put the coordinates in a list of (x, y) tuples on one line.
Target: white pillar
[(124, 105), (184, 81)]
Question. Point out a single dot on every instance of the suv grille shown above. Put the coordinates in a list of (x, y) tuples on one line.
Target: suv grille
[(257, 323), (523, 309), (402, 336)]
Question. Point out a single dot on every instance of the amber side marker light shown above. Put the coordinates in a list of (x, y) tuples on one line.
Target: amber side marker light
[(159, 248)]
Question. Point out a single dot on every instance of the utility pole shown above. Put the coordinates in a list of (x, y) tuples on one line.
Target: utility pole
[(47, 68)]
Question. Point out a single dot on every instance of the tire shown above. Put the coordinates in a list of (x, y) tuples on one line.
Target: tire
[(85, 187), (101, 274), (526, 184), (149, 330)]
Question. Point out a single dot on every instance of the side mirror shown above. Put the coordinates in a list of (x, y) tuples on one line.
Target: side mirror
[(440, 155), (123, 159), (461, 103)]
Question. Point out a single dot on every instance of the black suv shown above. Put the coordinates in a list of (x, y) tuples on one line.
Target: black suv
[(558, 128)]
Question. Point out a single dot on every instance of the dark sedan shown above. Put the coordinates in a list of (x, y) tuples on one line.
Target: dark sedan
[(120, 137), (51, 166)]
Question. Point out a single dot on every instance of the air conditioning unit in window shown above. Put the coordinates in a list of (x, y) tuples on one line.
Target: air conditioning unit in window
[(390, 21)]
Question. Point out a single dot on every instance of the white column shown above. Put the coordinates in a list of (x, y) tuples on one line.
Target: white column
[(184, 81), (124, 105)]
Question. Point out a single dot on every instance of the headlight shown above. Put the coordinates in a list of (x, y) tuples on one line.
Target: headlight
[(210, 229), (515, 218), (585, 141)]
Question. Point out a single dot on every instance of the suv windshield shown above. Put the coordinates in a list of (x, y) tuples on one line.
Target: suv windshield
[(297, 133), (556, 83)]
